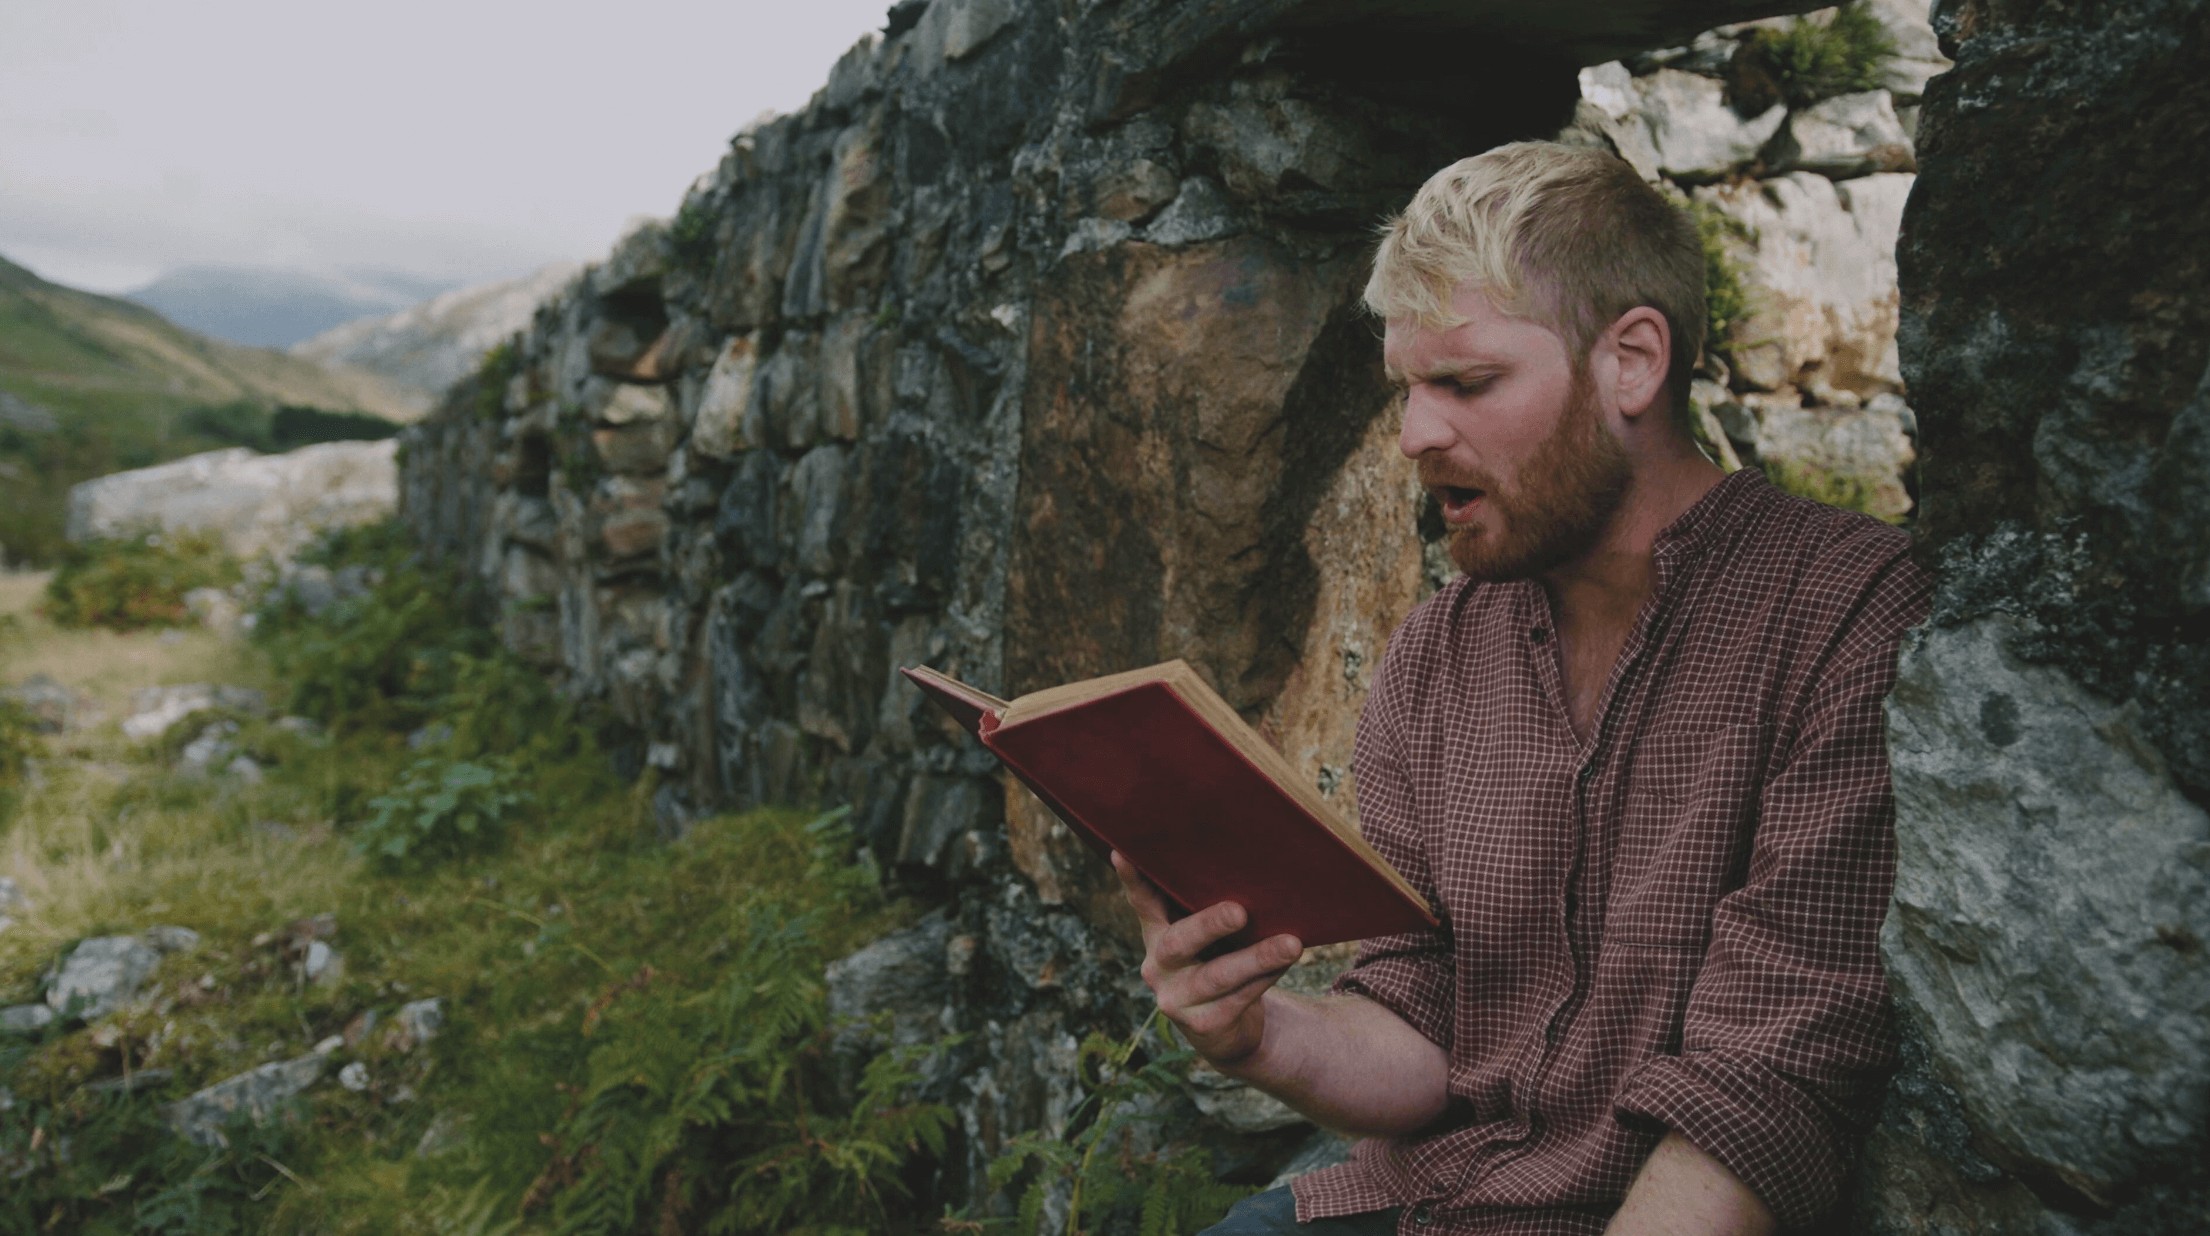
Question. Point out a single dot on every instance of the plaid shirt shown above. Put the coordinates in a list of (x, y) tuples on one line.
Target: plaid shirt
[(1670, 925)]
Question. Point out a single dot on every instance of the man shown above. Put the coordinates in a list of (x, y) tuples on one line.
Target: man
[(1634, 756)]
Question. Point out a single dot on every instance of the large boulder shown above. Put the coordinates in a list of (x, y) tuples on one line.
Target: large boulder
[(255, 504), (1819, 260)]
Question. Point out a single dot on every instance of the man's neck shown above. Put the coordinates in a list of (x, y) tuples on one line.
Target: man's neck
[(1595, 597)]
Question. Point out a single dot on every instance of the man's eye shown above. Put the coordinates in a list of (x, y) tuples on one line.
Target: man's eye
[(1466, 386)]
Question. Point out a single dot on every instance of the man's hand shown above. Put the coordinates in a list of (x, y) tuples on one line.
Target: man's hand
[(1216, 1004)]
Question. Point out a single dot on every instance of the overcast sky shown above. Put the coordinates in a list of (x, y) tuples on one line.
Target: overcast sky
[(452, 139)]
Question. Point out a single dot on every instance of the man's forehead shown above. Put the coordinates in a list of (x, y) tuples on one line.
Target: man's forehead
[(1409, 350)]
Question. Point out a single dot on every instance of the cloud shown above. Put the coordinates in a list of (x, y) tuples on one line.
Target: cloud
[(456, 139)]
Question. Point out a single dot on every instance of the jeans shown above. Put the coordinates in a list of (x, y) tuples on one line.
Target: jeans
[(1275, 1211)]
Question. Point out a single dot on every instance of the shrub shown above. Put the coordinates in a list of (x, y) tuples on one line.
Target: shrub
[(440, 809), (18, 744), (134, 582), (1809, 60), (1726, 299), (493, 372), (1116, 1178)]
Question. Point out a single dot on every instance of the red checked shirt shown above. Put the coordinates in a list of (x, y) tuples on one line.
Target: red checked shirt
[(1670, 925)]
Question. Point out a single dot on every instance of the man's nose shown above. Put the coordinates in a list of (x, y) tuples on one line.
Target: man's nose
[(1426, 428)]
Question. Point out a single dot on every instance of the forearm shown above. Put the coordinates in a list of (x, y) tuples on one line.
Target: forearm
[(1682, 1191), (1347, 1064)]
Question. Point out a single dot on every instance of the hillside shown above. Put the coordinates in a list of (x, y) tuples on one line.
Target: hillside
[(425, 348), (90, 384), (273, 307)]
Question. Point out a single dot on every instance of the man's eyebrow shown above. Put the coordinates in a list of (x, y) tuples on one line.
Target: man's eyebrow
[(1398, 376)]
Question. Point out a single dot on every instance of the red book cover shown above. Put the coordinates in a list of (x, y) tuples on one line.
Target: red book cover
[(1155, 765)]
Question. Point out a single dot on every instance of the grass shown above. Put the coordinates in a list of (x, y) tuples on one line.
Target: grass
[(132, 582), (637, 1035)]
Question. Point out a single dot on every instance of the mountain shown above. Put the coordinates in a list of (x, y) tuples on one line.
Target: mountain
[(274, 308), (426, 348), (91, 384)]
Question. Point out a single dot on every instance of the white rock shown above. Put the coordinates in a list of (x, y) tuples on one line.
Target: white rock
[(1917, 51), (245, 768), (1847, 135), (421, 1020), (718, 430), (257, 1093), (1611, 88), (1864, 448), (322, 964), (354, 1077), (256, 504), (101, 974), (155, 709), (634, 404), (1819, 262), (26, 1018), (330, 1044), (12, 900), (211, 747), (1696, 135)]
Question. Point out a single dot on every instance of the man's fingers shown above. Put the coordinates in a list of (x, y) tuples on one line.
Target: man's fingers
[(1181, 943), (1223, 977), (1149, 906)]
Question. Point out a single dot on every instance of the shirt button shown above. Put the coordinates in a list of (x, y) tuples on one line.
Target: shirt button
[(1422, 1215), (1539, 634)]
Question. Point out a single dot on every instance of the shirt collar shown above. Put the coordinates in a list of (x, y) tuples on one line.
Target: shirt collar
[(1703, 522)]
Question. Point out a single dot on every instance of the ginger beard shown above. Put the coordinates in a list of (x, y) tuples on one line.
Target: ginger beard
[(1557, 505)]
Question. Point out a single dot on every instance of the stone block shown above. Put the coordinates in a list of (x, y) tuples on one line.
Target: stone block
[(1848, 135), (723, 424), (2051, 907), (1696, 135)]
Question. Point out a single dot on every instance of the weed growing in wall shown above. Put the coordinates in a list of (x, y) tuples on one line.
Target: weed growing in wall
[(1810, 59), (493, 373), (126, 583), (1726, 297)]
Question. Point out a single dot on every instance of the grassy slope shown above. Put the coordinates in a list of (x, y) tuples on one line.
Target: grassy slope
[(120, 380), (581, 919)]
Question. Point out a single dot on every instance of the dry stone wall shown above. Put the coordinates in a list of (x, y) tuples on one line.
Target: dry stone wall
[(1030, 350)]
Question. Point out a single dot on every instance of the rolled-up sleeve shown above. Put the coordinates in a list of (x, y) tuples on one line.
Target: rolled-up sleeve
[(1788, 1034), (1409, 974)]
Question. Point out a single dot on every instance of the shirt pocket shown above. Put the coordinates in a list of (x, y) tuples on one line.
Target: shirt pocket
[(1684, 832)]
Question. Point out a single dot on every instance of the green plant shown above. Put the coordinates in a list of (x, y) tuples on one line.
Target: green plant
[(691, 236), (1116, 1178), (497, 368), (102, 1160), (714, 1109), (1808, 59), (440, 809), (132, 582), (18, 745), (1726, 298)]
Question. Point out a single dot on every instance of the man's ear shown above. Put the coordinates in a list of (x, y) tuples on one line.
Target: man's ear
[(1642, 343)]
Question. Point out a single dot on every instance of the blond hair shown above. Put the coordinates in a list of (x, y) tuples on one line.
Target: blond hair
[(1563, 235)]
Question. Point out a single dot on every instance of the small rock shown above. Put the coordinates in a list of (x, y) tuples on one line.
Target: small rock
[(52, 707), (322, 964), (101, 974), (330, 1044), (1697, 135), (171, 939), (1199, 212), (245, 769), (12, 900), (311, 588), (156, 709), (1848, 135), (257, 1093), (442, 1135), (25, 1018), (354, 1077), (209, 749), (435, 734), (304, 727), (1237, 1105), (419, 1021), (358, 1029)]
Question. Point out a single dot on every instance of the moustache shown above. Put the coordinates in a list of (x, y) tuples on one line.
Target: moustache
[(1438, 474)]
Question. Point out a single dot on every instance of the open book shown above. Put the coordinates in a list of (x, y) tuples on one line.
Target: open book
[(1154, 764)]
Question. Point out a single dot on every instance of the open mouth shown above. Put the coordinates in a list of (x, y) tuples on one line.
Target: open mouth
[(1458, 501)]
